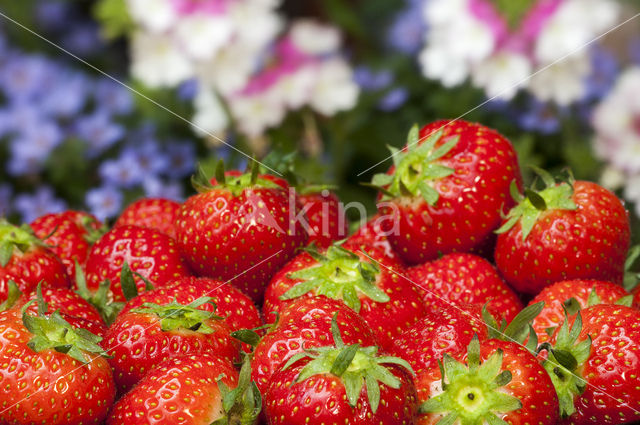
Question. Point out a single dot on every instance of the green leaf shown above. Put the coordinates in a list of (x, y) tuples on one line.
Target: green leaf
[(536, 200), (13, 295), (429, 194), (248, 336), (626, 301), (6, 251), (373, 393), (565, 359), (344, 359), (443, 149), (353, 387), (518, 329), (127, 283), (382, 179), (113, 16), (414, 135)]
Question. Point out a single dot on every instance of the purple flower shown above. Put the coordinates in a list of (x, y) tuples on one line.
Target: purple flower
[(23, 77), (68, 97), (156, 188), (182, 159), (188, 90), (104, 202), (32, 147), (83, 39), (370, 80), (52, 15), (18, 116), (406, 33), (540, 117), (99, 131), (5, 199), (604, 70), (393, 99), (634, 50), (40, 203), (122, 172), (148, 156), (113, 97)]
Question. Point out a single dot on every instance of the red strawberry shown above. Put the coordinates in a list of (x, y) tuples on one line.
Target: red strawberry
[(325, 217), (368, 283), (464, 278), (235, 307), (69, 235), (571, 296), (153, 213), (149, 252), (142, 338), (306, 323), (594, 366), (189, 390), (25, 260), (447, 190), (569, 230), (341, 384), (495, 382), (240, 230), (51, 372), (68, 302), (370, 235)]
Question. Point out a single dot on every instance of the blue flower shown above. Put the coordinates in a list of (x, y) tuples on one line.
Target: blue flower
[(370, 80), (406, 33), (188, 89), (634, 50), (40, 203), (113, 97), (99, 131), (182, 159), (150, 159), (122, 172), (19, 116), (540, 117), (5, 199), (156, 188), (394, 99), (104, 202), (31, 148), (68, 97), (23, 76), (83, 39), (604, 71), (52, 15)]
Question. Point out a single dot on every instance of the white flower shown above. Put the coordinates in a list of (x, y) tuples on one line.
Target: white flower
[(632, 191), (255, 113), (438, 64), (562, 82), (230, 69), (502, 75), (612, 178), (203, 35), (334, 89), (295, 88), (314, 38), (210, 116), (155, 15), (157, 61), (255, 25)]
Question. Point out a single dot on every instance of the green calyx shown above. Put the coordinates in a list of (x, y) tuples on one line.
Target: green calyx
[(13, 294), (416, 168), (340, 274), (235, 184), (51, 331), (241, 405), (472, 393), (564, 362), (180, 316), (531, 205), (101, 298), (13, 237), (519, 330), (356, 366), (631, 277)]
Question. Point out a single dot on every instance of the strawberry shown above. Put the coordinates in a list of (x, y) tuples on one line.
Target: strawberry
[(495, 382), (241, 229), (593, 363), (370, 235), (68, 302), (27, 261), (197, 389), (464, 278), (143, 337), (446, 190), (153, 213), (51, 372), (306, 323), (228, 302), (69, 235), (366, 281), (147, 252), (341, 384), (325, 217), (571, 296), (568, 230)]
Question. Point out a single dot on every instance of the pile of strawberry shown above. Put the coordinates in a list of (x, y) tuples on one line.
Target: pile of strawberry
[(468, 299)]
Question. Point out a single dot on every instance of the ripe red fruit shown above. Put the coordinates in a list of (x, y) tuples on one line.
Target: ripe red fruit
[(188, 390), (370, 235), (571, 296), (594, 365), (368, 283), (67, 302), (306, 323), (241, 230), (149, 252), (494, 382), (447, 190), (153, 213), (325, 216), (464, 278), (51, 372), (568, 230), (27, 261), (142, 338), (341, 384)]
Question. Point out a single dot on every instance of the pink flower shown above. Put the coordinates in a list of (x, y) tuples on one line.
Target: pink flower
[(211, 7)]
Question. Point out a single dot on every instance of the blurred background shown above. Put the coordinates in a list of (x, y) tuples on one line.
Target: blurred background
[(102, 102)]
